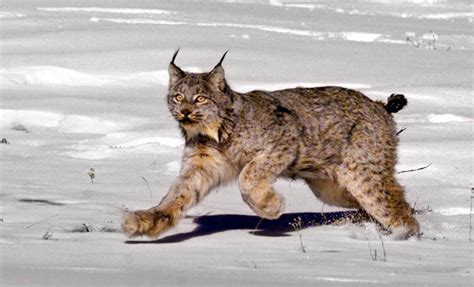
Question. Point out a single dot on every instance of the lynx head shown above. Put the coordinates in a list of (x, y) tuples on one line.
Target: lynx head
[(200, 102)]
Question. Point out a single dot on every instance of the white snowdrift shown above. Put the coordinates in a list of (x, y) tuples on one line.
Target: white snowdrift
[(10, 118), (58, 76), (107, 10), (433, 118), (48, 75), (120, 144), (245, 87), (353, 36), (452, 211), (447, 118), (66, 123), (468, 15), (137, 138), (8, 15)]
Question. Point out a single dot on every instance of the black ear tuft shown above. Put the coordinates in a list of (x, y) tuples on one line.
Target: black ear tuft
[(222, 59), (175, 73), (217, 75), (174, 56)]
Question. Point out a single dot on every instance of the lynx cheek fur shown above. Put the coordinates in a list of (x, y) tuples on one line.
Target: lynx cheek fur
[(341, 143)]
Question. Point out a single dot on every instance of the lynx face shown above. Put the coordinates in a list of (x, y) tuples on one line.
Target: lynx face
[(197, 101)]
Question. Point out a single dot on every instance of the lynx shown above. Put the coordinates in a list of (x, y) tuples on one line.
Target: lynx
[(340, 142)]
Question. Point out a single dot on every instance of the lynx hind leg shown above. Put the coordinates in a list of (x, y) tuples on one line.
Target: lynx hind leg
[(384, 200), (367, 171), (255, 182)]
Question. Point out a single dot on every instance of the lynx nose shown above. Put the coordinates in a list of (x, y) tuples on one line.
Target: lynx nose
[(186, 113)]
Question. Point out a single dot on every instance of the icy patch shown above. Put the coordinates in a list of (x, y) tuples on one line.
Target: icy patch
[(58, 76), (120, 144), (83, 269), (305, 6), (433, 118), (447, 118), (390, 41), (281, 86), (95, 154), (107, 10), (12, 118), (467, 15), (357, 36), (452, 211), (159, 77), (66, 123), (98, 152), (347, 36), (137, 21), (339, 10), (84, 124), (48, 75), (9, 15), (275, 2), (134, 139), (5, 241), (345, 280), (68, 201), (317, 35)]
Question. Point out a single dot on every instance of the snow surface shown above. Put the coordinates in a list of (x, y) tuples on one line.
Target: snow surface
[(83, 85)]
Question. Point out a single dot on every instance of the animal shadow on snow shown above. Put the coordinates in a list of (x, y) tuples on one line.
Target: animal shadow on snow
[(290, 222)]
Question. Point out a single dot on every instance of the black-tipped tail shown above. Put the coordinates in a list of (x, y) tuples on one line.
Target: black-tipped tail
[(395, 103)]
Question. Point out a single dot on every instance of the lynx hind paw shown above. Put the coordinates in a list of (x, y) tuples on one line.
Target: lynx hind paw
[(406, 231)]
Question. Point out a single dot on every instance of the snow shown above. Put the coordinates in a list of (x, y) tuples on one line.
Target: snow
[(280, 86), (48, 75), (454, 211), (10, 15), (10, 118), (57, 76), (137, 21), (446, 118), (83, 86), (106, 10), (449, 15)]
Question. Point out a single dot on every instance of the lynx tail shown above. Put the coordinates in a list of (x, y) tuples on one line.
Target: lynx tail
[(395, 103)]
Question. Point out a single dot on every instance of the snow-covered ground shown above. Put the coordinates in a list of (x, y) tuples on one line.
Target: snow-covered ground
[(83, 85)]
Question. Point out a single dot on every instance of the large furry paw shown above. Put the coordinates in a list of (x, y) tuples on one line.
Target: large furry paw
[(269, 207), (146, 222), (411, 228)]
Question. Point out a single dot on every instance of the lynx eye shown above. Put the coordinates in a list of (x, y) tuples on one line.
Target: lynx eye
[(178, 98), (200, 99)]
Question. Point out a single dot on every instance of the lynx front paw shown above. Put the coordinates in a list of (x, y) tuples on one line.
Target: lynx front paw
[(145, 222), (269, 207)]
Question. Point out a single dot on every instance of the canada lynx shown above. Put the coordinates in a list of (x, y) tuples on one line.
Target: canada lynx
[(341, 143)]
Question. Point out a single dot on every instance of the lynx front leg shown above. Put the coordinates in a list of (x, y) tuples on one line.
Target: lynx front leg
[(256, 181), (203, 168)]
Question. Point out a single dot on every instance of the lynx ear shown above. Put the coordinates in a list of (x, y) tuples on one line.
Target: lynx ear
[(217, 75), (175, 73)]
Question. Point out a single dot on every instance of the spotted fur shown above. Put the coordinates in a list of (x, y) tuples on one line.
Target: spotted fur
[(341, 143)]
